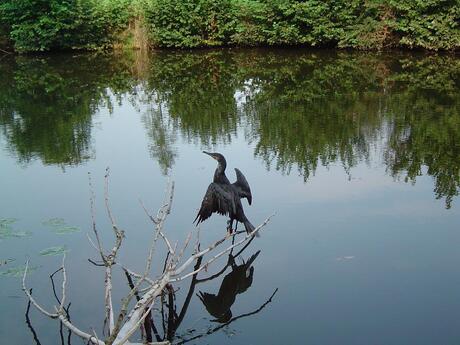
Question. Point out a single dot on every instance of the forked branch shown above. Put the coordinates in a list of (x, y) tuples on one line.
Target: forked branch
[(128, 320)]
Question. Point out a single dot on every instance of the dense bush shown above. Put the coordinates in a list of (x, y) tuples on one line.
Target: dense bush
[(39, 25), (374, 24), (190, 23)]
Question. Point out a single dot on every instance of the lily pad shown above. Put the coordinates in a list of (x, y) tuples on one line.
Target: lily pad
[(6, 233), (66, 230), (59, 226), (54, 222), (5, 262), (21, 234), (6, 222), (53, 251), (17, 272)]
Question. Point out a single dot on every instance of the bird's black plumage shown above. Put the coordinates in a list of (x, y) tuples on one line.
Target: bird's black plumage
[(224, 197)]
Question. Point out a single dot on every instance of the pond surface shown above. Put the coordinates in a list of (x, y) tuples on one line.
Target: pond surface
[(358, 155)]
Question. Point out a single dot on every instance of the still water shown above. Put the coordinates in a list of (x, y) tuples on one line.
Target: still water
[(357, 154)]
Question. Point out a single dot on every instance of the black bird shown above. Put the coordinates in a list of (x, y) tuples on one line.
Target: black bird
[(236, 282), (224, 197)]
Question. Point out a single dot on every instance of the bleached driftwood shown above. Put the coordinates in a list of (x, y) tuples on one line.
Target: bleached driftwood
[(121, 328)]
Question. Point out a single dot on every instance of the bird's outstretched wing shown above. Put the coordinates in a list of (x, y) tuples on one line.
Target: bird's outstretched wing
[(243, 186), (218, 199)]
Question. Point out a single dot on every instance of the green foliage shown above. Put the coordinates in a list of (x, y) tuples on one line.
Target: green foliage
[(40, 25), (7, 231), (429, 24), (189, 23), (54, 251), (373, 24), (4, 36), (59, 226), (18, 271)]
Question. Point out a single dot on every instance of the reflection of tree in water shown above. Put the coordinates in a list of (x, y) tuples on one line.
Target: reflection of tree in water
[(307, 135), (303, 109), (198, 90), (300, 108), (425, 122), (308, 111), (164, 324), (162, 136), (46, 104)]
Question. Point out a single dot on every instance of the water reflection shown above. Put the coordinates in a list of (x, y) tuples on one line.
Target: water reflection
[(234, 283), (301, 109), (165, 323), (162, 137), (47, 104)]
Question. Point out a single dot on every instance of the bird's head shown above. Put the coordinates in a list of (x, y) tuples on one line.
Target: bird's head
[(217, 156)]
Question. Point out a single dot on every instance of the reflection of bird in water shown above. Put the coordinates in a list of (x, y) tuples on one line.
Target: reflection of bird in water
[(237, 281), (225, 198)]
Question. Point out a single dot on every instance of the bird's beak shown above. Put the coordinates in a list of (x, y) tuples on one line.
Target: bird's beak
[(209, 154)]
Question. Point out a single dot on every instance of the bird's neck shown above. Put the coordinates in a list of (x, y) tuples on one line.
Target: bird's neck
[(219, 174)]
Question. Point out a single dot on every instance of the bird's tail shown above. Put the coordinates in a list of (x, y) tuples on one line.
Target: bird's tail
[(249, 227), (252, 258)]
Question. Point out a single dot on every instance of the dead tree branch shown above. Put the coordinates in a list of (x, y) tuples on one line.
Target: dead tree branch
[(128, 320)]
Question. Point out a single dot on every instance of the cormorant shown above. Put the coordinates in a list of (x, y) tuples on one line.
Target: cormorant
[(236, 282), (224, 197)]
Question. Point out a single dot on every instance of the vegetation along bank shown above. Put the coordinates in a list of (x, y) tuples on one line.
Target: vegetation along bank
[(46, 25)]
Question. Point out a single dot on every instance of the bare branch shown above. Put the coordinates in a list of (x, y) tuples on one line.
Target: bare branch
[(88, 337), (107, 205), (108, 299), (137, 316), (187, 240), (162, 214), (64, 283), (128, 320), (211, 247), (168, 244), (31, 299), (93, 219)]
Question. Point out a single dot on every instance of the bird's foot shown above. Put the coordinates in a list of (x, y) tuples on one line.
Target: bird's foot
[(230, 231), (229, 228)]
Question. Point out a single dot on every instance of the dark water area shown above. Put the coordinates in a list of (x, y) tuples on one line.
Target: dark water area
[(357, 154)]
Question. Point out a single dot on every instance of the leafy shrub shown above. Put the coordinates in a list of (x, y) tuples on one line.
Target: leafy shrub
[(372, 24), (189, 23), (39, 25)]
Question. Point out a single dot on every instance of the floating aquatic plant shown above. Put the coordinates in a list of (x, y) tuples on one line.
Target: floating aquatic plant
[(54, 222), (4, 262), (17, 272), (53, 251), (6, 222), (66, 230), (59, 226), (6, 233)]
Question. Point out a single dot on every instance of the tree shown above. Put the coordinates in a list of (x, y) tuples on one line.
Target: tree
[(128, 320)]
